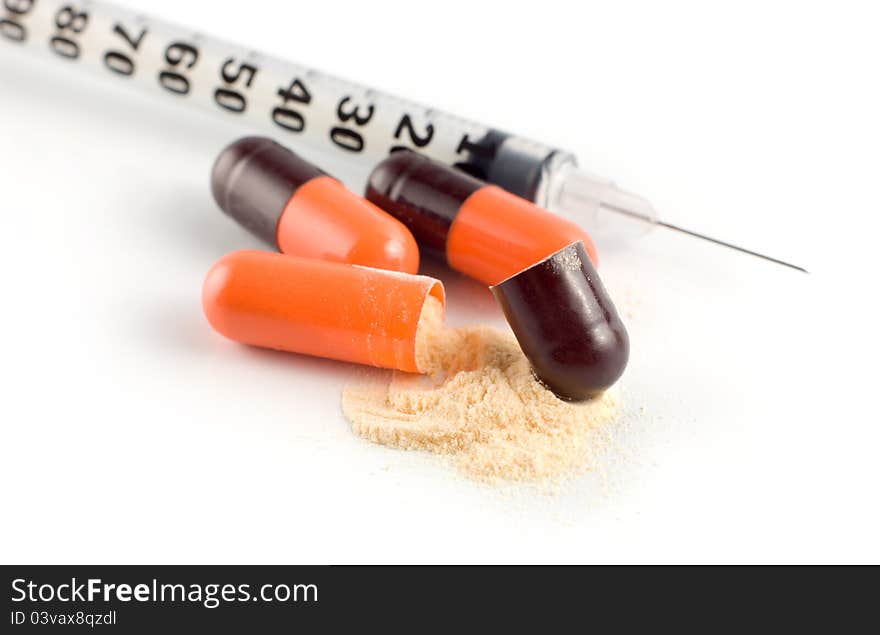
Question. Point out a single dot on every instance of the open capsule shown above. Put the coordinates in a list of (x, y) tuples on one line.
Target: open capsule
[(328, 309), (566, 324)]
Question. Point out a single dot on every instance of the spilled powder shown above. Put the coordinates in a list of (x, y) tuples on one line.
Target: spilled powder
[(480, 405)]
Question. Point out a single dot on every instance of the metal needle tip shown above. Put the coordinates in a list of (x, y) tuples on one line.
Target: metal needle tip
[(725, 244)]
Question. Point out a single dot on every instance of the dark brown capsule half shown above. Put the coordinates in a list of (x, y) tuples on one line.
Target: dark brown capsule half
[(566, 324), (254, 178)]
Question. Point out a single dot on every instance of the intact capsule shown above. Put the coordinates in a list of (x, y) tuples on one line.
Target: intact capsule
[(291, 204), (566, 324), (479, 229), (328, 309)]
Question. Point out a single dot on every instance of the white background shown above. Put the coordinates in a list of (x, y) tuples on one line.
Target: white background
[(133, 433)]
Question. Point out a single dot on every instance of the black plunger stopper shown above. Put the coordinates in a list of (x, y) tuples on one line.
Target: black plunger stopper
[(566, 324)]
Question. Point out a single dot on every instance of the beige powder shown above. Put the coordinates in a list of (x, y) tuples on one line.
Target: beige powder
[(479, 404)]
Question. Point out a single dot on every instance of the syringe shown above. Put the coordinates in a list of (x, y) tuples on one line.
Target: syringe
[(304, 107)]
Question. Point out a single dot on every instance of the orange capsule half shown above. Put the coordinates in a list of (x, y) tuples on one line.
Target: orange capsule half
[(293, 205), (327, 309), (479, 229)]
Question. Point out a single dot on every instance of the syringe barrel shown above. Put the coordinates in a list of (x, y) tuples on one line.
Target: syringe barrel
[(301, 107)]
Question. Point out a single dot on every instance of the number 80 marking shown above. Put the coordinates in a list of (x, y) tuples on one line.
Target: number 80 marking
[(72, 21)]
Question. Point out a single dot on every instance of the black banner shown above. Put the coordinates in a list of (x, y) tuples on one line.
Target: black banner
[(135, 599)]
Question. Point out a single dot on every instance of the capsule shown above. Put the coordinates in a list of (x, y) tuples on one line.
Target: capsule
[(327, 309), (479, 229), (291, 204), (566, 324)]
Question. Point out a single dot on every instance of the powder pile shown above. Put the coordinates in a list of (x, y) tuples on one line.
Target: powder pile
[(479, 404)]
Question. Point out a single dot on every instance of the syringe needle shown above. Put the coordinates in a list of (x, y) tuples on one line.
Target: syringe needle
[(725, 244), (639, 209)]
